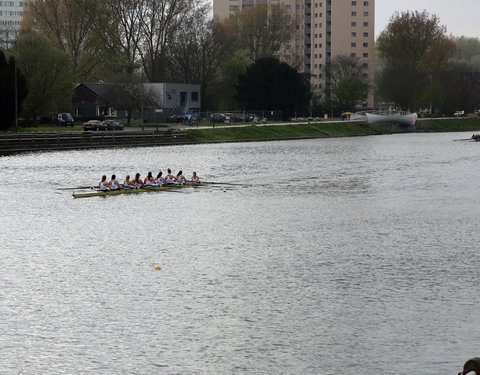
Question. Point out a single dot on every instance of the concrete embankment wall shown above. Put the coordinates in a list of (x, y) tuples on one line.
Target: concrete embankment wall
[(11, 143)]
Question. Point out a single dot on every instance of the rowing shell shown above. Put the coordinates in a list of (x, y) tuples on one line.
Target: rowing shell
[(138, 190)]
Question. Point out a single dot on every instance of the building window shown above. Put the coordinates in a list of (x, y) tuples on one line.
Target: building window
[(365, 14), (233, 8), (354, 34), (353, 44), (365, 35), (365, 55), (354, 14), (353, 54), (365, 3), (365, 24), (354, 24), (194, 96), (354, 3), (365, 44)]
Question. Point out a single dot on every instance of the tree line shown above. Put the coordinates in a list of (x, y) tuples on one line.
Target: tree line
[(421, 67), (237, 61)]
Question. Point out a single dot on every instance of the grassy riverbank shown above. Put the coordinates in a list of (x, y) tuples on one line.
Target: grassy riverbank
[(323, 130), (449, 125)]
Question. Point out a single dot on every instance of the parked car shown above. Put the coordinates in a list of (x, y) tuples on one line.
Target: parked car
[(112, 125), (187, 119), (94, 125), (175, 119), (63, 119), (219, 117), (459, 113), (235, 117)]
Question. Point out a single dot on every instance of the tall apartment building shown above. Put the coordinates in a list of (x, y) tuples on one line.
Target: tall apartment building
[(323, 29), (11, 14)]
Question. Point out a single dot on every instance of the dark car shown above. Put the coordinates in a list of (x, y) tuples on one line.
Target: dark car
[(175, 119), (63, 119), (112, 125), (219, 117), (93, 125)]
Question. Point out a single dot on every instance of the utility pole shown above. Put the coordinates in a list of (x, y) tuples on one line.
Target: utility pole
[(141, 100)]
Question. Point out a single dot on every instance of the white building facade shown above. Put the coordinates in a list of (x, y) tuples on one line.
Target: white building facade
[(11, 15)]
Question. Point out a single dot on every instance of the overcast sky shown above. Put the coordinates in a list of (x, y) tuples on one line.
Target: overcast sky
[(461, 17)]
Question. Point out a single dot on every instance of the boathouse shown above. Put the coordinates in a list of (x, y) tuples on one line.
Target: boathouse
[(159, 101)]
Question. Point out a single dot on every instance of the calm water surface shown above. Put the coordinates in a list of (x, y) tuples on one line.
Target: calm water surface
[(341, 256)]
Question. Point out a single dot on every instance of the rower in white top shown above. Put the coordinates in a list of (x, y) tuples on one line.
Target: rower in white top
[(180, 178), (195, 177), (149, 180), (103, 185), (170, 178), (127, 184), (160, 179), (113, 183)]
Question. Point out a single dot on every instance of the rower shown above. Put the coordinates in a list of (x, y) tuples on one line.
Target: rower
[(103, 185), (195, 178), (180, 178), (149, 180), (127, 184), (137, 182), (170, 178), (160, 179), (113, 183)]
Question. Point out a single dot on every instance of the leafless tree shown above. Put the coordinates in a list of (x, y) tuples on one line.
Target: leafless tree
[(69, 25), (161, 20), (261, 30)]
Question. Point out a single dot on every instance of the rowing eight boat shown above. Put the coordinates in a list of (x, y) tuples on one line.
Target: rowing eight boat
[(144, 189)]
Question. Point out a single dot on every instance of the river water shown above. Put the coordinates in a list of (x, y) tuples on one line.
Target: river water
[(338, 256)]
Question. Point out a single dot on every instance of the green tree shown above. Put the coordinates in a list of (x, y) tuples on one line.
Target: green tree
[(7, 93), (350, 92), (462, 88), (414, 46), (269, 84), (434, 95), (232, 69), (48, 74)]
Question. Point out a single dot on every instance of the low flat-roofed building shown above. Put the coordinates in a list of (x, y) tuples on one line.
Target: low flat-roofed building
[(161, 100)]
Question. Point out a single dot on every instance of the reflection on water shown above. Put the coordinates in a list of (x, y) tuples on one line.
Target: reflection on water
[(349, 255)]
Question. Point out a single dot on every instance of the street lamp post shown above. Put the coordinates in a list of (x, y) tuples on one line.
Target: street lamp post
[(16, 96)]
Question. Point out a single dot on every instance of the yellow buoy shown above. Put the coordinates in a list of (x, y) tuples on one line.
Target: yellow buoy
[(158, 268), (365, 221)]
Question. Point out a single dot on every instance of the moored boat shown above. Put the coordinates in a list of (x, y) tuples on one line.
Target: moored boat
[(400, 118)]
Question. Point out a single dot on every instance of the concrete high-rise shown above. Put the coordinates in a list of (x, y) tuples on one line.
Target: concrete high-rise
[(323, 30), (11, 14)]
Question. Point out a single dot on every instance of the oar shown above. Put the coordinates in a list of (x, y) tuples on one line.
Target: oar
[(224, 183), (78, 188)]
